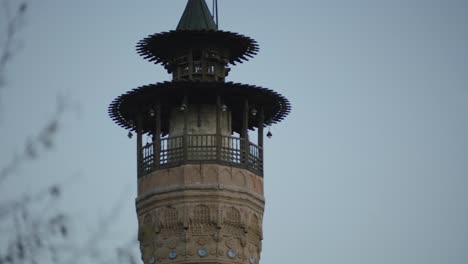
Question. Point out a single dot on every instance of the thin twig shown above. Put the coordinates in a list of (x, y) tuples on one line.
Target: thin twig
[(42, 141), (14, 25)]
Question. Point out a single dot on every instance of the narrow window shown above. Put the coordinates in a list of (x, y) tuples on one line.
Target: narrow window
[(197, 68), (211, 69)]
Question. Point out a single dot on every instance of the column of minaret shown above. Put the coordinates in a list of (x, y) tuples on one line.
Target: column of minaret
[(200, 180)]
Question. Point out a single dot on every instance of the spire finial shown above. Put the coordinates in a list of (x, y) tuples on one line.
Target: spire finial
[(197, 16)]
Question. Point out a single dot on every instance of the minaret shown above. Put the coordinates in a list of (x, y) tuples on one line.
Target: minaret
[(200, 179)]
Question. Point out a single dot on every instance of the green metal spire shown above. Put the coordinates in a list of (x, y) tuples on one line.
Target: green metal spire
[(196, 16)]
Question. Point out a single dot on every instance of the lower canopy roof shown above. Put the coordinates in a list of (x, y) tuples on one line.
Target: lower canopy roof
[(125, 108)]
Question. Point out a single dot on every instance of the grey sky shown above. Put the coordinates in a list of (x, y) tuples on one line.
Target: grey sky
[(371, 166)]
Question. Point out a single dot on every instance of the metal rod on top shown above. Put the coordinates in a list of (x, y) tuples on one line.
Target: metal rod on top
[(215, 12), (217, 17)]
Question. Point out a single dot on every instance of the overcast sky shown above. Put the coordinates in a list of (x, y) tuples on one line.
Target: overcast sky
[(370, 167)]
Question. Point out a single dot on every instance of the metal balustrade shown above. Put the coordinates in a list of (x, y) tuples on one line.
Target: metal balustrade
[(189, 149)]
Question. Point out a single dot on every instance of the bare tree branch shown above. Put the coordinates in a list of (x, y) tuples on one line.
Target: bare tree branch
[(99, 234), (13, 27), (42, 141), (33, 228)]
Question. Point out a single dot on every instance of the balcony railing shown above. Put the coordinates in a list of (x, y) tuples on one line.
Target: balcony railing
[(178, 150)]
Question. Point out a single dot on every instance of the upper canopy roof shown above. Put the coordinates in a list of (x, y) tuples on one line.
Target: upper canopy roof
[(196, 29), (196, 16)]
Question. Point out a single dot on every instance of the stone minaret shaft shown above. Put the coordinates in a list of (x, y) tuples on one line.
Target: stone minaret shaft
[(200, 179)]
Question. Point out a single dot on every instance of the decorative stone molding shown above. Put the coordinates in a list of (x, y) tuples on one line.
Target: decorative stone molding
[(197, 175), (236, 238), (200, 214)]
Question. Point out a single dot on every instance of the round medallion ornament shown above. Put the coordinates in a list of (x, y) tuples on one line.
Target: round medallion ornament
[(172, 243), (232, 253), (202, 252), (172, 254), (151, 260), (252, 259)]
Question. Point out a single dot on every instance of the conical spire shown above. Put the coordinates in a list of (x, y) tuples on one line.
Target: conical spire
[(196, 16)]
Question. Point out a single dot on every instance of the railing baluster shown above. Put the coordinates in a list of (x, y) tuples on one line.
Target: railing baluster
[(197, 148)]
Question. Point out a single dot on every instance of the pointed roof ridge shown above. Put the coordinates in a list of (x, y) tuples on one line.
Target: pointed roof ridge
[(196, 16)]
